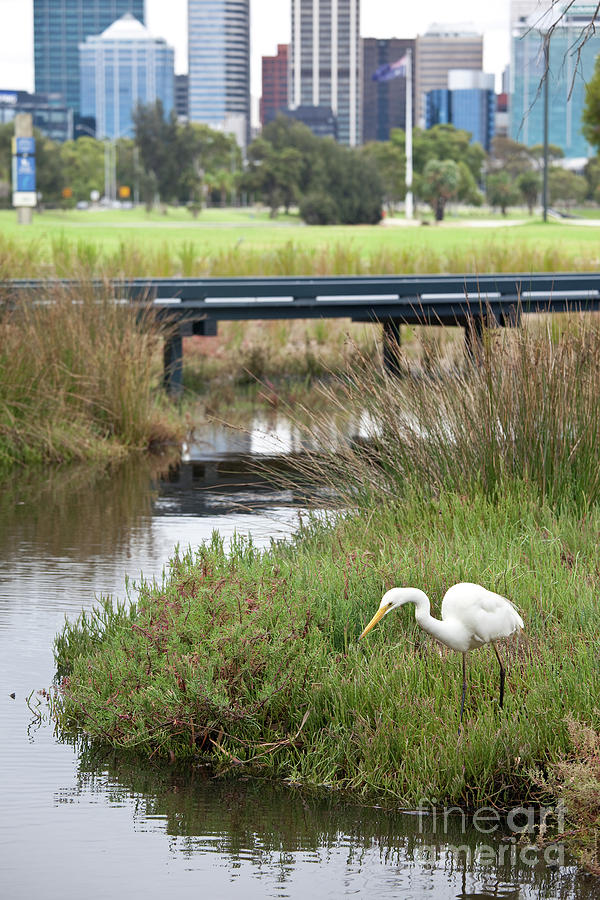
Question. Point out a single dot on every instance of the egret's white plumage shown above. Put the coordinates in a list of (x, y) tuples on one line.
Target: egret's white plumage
[(471, 617)]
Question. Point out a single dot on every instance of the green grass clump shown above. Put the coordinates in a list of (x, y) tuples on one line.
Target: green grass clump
[(251, 659), (525, 409), (79, 379)]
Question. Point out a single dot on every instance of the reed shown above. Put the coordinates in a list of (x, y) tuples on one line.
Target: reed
[(60, 255), (525, 409), (79, 379)]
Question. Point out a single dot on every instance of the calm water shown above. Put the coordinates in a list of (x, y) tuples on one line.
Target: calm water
[(74, 826)]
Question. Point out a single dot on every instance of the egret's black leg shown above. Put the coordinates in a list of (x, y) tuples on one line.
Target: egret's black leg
[(501, 676), (464, 689)]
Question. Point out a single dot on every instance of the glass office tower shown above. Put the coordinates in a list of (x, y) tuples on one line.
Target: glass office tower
[(219, 65), (59, 26), (469, 103), (121, 68), (527, 68)]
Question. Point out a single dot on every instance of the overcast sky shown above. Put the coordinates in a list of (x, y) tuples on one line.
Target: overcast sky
[(270, 25)]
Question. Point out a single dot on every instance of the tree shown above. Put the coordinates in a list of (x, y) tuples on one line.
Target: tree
[(285, 132), (529, 184), (591, 108), (566, 187), (83, 166), (50, 172), (211, 161), (501, 191), (440, 182), (289, 164), (161, 154), (537, 154), (509, 156), (354, 184), (318, 208), (468, 192), (274, 174), (444, 142), (592, 175), (390, 161)]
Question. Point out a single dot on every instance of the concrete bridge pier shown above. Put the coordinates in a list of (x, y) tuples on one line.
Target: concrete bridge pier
[(173, 363), (173, 350)]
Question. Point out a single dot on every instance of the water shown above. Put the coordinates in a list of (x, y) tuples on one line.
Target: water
[(74, 826)]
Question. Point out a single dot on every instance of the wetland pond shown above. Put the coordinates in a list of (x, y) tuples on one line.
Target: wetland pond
[(74, 825)]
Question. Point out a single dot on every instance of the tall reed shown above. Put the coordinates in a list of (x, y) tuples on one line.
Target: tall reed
[(78, 378), (61, 256), (524, 410)]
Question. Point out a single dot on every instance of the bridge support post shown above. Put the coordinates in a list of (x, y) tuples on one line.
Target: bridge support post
[(391, 346), (173, 363)]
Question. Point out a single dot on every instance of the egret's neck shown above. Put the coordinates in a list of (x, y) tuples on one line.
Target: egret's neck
[(429, 623)]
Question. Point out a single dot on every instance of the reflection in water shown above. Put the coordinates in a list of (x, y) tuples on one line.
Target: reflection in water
[(281, 842), (74, 825)]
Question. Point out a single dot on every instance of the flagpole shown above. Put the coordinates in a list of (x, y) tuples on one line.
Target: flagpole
[(408, 203)]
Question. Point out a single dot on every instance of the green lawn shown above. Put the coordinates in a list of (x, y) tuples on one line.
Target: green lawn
[(218, 228), (132, 243)]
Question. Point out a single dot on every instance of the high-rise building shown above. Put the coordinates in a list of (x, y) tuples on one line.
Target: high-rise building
[(384, 102), (59, 26), (219, 65), (326, 62), (120, 69), (320, 119), (182, 83), (48, 111), (441, 48), (274, 84), (522, 10), (468, 103), (566, 87)]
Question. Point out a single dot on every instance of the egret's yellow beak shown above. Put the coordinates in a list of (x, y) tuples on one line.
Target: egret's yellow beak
[(376, 618)]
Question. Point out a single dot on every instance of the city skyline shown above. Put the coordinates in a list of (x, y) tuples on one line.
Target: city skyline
[(270, 25)]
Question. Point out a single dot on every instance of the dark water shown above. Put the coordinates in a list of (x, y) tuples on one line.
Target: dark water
[(75, 826)]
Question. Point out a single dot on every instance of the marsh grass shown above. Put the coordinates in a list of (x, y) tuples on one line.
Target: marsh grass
[(79, 378), (279, 351), (58, 254), (250, 660), (525, 409), (575, 780)]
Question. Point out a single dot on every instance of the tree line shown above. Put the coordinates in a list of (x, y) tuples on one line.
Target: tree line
[(288, 166)]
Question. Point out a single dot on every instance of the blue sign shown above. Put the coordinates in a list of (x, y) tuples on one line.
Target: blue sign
[(25, 173), (25, 146)]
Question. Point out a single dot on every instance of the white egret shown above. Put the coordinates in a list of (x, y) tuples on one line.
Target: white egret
[(471, 617)]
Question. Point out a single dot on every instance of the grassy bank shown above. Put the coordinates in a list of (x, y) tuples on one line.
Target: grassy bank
[(250, 660), (80, 379)]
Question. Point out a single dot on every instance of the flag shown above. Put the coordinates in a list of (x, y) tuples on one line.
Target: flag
[(391, 70)]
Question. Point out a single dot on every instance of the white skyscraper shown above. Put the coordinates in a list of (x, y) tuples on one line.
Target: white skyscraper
[(326, 63), (121, 68)]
